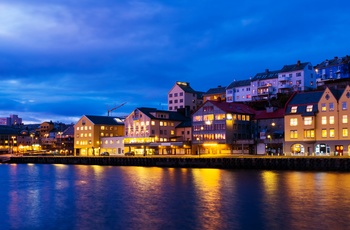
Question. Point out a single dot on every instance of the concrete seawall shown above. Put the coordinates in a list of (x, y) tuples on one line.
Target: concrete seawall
[(241, 162)]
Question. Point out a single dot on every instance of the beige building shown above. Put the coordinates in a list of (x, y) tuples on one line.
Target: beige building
[(151, 131), (182, 96), (316, 123), (90, 130)]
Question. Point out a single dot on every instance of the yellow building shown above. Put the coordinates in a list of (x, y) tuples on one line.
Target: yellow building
[(316, 123), (89, 131), (151, 131)]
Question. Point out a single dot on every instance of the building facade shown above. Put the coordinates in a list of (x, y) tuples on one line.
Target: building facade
[(182, 96), (149, 131), (89, 131), (239, 91)]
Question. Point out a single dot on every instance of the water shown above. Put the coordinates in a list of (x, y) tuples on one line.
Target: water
[(103, 197)]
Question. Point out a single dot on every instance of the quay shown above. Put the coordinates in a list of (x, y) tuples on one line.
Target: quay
[(329, 163)]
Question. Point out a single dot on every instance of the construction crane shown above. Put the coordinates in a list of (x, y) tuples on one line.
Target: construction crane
[(110, 110)]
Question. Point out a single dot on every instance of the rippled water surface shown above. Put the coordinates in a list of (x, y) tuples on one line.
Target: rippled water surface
[(103, 197)]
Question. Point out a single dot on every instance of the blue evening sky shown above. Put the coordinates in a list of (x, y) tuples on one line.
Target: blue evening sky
[(61, 59)]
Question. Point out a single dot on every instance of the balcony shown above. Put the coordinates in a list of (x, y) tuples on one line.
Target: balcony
[(264, 86), (281, 79), (284, 86)]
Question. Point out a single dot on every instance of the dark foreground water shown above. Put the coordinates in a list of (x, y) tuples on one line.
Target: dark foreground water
[(103, 197)]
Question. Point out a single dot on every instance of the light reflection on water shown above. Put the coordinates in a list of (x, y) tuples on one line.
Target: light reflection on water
[(104, 197)]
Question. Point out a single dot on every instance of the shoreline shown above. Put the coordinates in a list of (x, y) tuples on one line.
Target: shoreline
[(228, 162)]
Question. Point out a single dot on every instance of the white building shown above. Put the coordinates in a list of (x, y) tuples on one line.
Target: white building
[(112, 145), (239, 91), (182, 96), (264, 85)]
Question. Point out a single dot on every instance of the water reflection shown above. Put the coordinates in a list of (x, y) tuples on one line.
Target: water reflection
[(99, 197)]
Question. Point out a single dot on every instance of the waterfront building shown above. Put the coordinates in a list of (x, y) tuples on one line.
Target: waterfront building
[(269, 131), (182, 96), (296, 77), (316, 123), (239, 91), (89, 130), (223, 128), (215, 94), (153, 131), (332, 70), (113, 145)]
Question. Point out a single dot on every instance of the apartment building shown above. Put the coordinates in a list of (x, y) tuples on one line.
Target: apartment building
[(220, 127), (296, 77), (215, 94), (89, 131), (316, 123), (239, 91), (264, 85), (152, 131), (182, 96)]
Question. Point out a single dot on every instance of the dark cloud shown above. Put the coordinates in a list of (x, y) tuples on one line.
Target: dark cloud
[(62, 59)]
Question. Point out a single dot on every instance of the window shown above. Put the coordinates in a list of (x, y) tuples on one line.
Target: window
[(324, 120), (324, 132), (345, 132), (309, 108), (309, 133), (323, 107), (345, 119), (294, 109), (293, 134), (171, 102), (308, 121), (293, 121), (171, 95), (181, 94), (331, 133), (343, 105), (153, 123), (175, 94), (331, 106), (298, 74), (331, 120)]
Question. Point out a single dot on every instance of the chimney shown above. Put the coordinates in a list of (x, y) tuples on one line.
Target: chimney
[(267, 71), (298, 63)]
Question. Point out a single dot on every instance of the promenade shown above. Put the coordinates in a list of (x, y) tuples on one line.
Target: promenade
[(311, 163)]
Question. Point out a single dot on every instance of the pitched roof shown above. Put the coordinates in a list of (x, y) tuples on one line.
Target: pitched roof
[(333, 62), (233, 107), (294, 67), (238, 84), (185, 86), (217, 90), (105, 120), (266, 75), (173, 115), (302, 100), (263, 114)]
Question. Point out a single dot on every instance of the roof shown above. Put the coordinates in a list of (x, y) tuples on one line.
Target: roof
[(185, 86), (263, 114), (266, 75), (238, 84), (233, 107), (294, 67), (218, 90), (302, 100), (185, 124), (173, 115), (333, 62), (105, 120)]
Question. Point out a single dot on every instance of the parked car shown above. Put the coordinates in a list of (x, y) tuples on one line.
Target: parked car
[(132, 153), (105, 154)]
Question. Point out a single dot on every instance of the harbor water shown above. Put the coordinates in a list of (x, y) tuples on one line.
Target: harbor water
[(58, 196)]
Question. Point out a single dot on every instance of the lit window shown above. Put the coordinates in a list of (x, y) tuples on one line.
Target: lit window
[(77, 128), (172, 132), (293, 121), (309, 133), (331, 133), (247, 117), (324, 132), (323, 107), (293, 134), (153, 123), (161, 123), (308, 121), (309, 108), (102, 127), (324, 120), (344, 105), (331, 120), (345, 132), (345, 119), (294, 109)]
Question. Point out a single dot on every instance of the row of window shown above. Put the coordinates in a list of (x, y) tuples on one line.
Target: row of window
[(324, 120), (211, 117), (176, 94), (310, 133), (176, 101)]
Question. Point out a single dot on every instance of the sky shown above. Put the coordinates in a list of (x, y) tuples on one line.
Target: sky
[(62, 59)]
